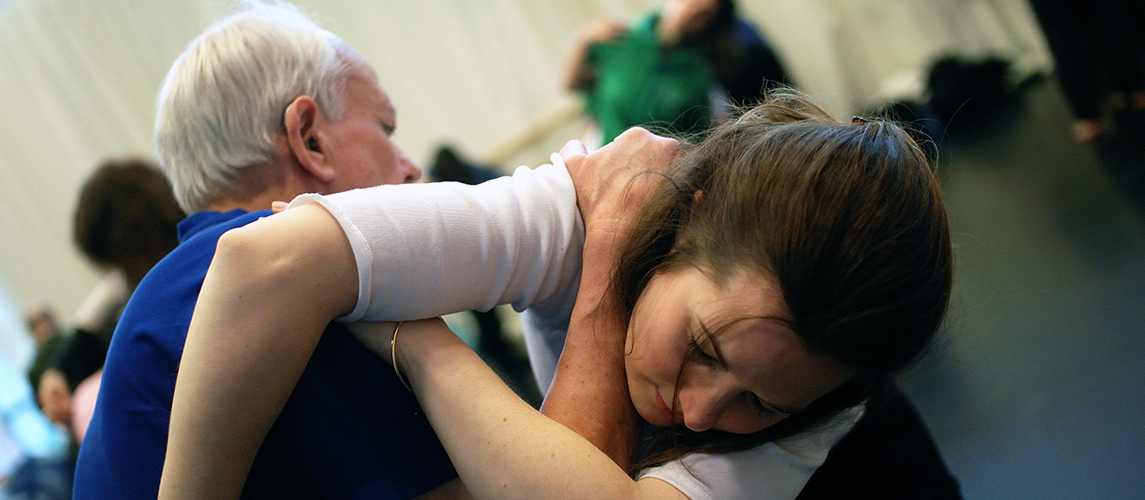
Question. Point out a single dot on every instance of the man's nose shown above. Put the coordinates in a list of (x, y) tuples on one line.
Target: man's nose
[(412, 172)]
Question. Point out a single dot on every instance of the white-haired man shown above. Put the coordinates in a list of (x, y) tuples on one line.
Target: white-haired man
[(263, 106)]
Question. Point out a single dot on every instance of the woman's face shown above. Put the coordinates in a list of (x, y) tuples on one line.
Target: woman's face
[(748, 369)]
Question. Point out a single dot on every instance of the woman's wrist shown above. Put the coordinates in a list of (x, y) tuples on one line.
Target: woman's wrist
[(422, 344), (394, 355)]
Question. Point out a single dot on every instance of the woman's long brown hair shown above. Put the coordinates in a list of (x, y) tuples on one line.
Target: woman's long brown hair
[(847, 217)]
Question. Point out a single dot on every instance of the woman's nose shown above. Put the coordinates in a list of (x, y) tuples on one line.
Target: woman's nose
[(703, 403)]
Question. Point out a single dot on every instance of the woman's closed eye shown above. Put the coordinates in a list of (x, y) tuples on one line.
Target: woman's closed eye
[(703, 349), (696, 353), (761, 409)]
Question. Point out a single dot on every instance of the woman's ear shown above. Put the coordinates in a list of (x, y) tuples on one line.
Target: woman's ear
[(697, 197), (303, 120)]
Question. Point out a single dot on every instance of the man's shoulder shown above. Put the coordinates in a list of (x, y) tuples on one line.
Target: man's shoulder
[(176, 279), (148, 341), (210, 225)]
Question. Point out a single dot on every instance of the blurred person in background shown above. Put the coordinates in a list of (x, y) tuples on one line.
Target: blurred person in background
[(46, 337), (125, 222), (1099, 51), (670, 70)]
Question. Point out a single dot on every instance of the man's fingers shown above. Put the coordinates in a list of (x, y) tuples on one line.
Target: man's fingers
[(573, 147), (638, 138)]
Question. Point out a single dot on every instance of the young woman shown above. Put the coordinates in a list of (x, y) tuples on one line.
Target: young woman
[(774, 278)]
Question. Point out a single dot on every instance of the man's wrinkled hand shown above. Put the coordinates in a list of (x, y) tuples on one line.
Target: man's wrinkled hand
[(614, 182)]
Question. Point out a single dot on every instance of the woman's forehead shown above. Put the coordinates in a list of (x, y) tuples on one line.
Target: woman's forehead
[(771, 359), (741, 294)]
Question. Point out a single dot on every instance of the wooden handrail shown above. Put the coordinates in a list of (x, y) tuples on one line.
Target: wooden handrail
[(504, 151)]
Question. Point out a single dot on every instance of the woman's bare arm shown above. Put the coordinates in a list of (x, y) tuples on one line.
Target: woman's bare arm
[(502, 448), (276, 283), (264, 304)]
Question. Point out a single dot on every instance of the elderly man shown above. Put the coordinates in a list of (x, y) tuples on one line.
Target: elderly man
[(263, 106)]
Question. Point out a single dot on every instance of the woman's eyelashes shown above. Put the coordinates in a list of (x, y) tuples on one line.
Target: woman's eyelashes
[(700, 344), (697, 345), (759, 408)]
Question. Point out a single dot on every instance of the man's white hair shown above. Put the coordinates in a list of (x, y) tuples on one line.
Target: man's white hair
[(223, 101)]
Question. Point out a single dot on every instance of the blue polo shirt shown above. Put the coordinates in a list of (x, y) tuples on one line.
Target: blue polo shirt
[(349, 429)]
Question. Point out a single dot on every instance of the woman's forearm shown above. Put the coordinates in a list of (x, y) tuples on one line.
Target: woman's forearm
[(503, 448), (270, 291)]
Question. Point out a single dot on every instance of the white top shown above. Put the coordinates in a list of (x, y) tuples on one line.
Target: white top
[(775, 470), (426, 250)]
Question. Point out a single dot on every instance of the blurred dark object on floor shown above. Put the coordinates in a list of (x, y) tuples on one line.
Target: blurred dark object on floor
[(962, 94), (966, 90), (449, 166)]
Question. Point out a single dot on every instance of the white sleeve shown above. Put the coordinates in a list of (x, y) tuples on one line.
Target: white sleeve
[(772, 471), (425, 250)]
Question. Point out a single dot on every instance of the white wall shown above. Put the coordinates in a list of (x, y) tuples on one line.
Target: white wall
[(78, 78)]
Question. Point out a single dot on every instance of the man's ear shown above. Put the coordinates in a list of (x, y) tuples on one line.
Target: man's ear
[(303, 121)]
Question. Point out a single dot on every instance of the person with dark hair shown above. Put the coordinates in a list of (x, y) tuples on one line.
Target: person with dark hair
[(744, 307), (746, 65), (655, 73), (126, 218), (47, 335), (125, 222)]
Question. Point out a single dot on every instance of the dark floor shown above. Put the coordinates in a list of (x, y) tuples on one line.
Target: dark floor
[(1038, 391)]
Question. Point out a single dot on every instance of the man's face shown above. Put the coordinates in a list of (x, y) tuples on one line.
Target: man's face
[(359, 144)]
